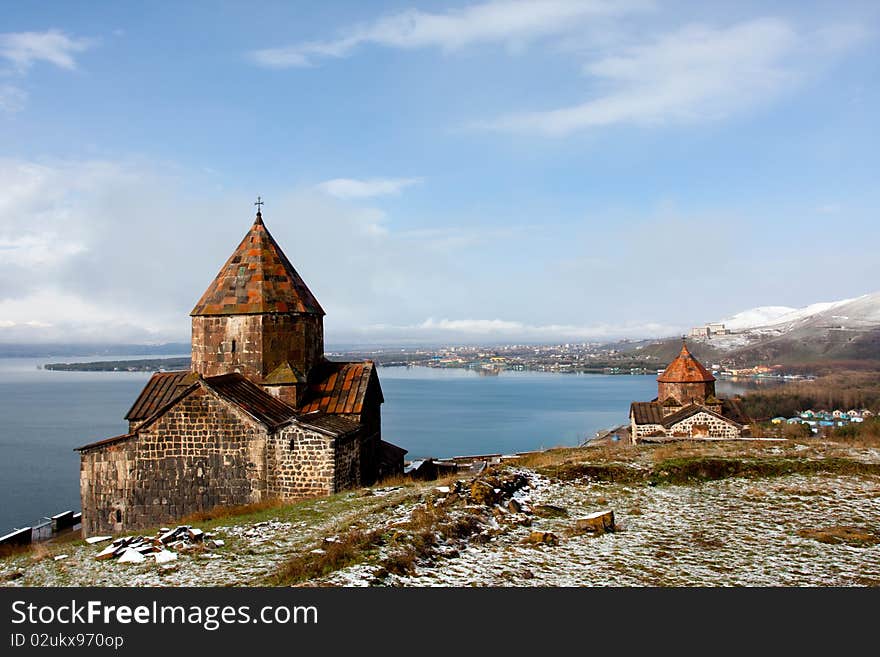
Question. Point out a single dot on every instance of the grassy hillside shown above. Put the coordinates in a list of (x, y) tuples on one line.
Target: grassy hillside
[(685, 514)]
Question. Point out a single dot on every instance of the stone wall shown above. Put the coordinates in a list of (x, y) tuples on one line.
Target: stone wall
[(227, 343), (639, 431), (202, 453), (301, 463), (106, 479), (348, 462), (704, 425), (296, 339), (699, 425), (255, 344), (685, 393), (370, 419)]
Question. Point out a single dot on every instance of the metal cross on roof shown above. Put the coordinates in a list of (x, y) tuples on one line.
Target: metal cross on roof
[(259, 204)]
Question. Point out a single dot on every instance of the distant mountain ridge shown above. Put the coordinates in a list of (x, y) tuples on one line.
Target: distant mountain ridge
[(766, 316), (848, 329)]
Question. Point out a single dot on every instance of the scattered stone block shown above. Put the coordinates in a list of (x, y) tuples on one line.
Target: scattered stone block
[(596, 523), (131, 556), (484, 493), (549, 511), (107, 553), (542, 538)]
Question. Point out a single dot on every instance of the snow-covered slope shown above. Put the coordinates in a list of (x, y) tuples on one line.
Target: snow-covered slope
[(776, 316), (838, 330)]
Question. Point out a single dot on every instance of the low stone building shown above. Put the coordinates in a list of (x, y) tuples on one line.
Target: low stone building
[(261, 415), (686, 407)]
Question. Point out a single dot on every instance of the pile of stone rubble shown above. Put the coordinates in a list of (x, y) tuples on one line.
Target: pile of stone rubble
[(163, 547)]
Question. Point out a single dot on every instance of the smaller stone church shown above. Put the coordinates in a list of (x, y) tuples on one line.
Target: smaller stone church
[(261, 414), (686, 407)]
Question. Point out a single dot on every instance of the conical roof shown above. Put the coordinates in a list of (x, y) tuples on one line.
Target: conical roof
[(685, 369), (258, 278)]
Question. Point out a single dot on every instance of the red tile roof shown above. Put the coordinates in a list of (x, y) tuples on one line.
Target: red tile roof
[(685, 369), (257, 278), (162, 388), (340, 387)]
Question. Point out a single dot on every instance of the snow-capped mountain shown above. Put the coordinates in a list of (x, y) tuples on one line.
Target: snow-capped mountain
[(836, 330), (773, 316)]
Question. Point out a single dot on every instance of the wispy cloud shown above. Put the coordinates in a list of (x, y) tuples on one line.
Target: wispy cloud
[(697, 72), (351, 188), (23, 49), (501, 21)]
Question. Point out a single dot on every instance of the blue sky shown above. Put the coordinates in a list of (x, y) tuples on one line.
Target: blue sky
[(438, 171)]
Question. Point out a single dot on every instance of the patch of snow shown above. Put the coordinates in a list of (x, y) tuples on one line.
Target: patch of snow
[(97, 539), (131, 556), (165, 556)]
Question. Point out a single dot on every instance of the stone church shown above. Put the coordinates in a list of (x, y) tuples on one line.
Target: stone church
[(261, 415), (686, 407)]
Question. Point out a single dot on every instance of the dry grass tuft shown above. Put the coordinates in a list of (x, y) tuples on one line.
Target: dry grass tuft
[(350, 548), (15, 550), (229, 511), (842, 534)]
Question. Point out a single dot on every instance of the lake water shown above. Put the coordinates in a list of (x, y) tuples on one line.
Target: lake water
[(44, 415)]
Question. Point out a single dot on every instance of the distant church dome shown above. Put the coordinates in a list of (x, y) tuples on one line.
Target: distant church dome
[(686, 369)]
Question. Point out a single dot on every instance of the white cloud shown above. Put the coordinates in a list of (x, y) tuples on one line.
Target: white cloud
[(695, 73), (54, 315), (502, 21), (500, 330), (38, 250), (351, 188), (23, 49)]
